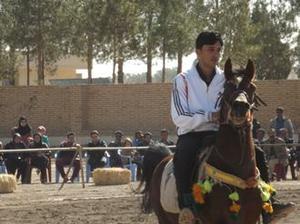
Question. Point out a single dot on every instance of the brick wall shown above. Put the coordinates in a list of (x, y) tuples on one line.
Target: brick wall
[(111, 107)]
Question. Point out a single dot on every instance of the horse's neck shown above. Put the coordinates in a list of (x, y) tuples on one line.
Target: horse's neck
[(235, 151)]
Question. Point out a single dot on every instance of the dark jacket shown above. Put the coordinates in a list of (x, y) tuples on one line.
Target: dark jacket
[(96, 155), (69, 153), (13, 145)]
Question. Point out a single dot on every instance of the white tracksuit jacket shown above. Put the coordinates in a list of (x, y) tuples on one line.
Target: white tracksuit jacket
[(193, 101)]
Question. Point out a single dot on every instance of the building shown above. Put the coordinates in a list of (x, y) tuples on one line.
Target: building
[(66, 68)]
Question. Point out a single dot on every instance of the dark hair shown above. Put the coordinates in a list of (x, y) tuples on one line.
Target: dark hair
[(70, 133), (119, 132), (164, 130), (280, 109), (37, 134), (208, 38), (94, 132)]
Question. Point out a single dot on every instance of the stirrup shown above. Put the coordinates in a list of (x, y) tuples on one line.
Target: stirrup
[(186, 216)]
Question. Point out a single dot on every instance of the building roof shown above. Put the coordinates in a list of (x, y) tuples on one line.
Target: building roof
[(72, 82)]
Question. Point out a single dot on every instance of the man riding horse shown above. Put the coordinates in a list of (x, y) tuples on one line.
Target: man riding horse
[(195, 112)]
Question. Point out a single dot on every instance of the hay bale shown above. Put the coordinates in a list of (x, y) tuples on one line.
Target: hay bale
[(8, 183), (111, 176)]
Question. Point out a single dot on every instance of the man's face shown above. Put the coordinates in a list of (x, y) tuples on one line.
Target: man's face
[(147, 138), (94, 137), (260, 135), (71, 138), (279, 113), (209, 55), (118, 137), (17, 139), (37, 138), (164, 135)]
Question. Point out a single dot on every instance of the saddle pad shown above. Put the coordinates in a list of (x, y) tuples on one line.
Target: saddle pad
[(168, 190)]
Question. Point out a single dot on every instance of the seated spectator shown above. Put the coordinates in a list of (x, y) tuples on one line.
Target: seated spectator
[(164, 137), (115, 157), (64, 158), (43, 132), (95, 157), (39, 160), (127, 152), (260, 136), (148, 139), (277, 155), (2, 164), (1, 154), (138, 138), (24, 130), (16, 161)]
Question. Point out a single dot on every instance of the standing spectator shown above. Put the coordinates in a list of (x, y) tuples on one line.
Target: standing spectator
[(43, 132), (277, 155), (164, 137), (280, 121), (283, 134), (39, 160), (115, 157), (24, 129), (95, 157), (298, 155), (138, 138), (64, 158), (14, 161)]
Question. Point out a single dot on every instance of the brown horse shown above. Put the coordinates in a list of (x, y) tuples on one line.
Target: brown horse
[(232, 152)]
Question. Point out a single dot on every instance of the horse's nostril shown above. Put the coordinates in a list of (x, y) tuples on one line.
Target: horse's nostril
[(240, 108)]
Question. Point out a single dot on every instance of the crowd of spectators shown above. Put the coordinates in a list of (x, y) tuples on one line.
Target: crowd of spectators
[(23, 137), (274, 141)]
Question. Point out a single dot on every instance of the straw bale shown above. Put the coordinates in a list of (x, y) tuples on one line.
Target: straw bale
[(8, 183), (111, 176)]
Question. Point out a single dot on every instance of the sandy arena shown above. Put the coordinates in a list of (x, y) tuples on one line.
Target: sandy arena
[(37, 203)]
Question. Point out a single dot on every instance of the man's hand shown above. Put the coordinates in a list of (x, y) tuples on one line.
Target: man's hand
[(215, 117)]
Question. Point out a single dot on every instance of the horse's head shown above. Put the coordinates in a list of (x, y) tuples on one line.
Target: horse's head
[(239, 95)]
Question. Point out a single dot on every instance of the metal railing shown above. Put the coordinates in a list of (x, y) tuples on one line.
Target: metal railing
[(75, 148), (137, 148)]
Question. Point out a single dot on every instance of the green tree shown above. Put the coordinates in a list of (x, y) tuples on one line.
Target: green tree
[(274, 59), (120, 40), (149, 30), (232, 19), (36, 31), (8, 55), (85, 32)]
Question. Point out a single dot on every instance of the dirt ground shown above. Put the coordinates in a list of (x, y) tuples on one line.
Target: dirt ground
[(37, 203)]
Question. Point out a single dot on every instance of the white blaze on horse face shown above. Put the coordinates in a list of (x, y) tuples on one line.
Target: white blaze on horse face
[(239, 111)]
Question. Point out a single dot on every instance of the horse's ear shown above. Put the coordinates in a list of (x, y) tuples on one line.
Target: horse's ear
[(249, 71), (228, 70)]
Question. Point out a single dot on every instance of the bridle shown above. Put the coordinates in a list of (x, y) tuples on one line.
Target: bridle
[(242, 128)]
